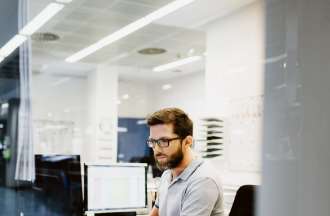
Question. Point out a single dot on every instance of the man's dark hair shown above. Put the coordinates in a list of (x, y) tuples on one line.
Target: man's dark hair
[(182, 124)]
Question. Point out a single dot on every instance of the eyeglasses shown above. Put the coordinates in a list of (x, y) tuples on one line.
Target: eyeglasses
[(162, 143)]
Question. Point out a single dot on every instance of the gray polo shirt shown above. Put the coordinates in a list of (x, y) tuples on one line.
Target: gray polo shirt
[(195, 192)]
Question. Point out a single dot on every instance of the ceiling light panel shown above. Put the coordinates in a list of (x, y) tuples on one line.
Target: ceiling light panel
[(177, 63), (153, 3), (11, 45), (44, 16), (128, 29)]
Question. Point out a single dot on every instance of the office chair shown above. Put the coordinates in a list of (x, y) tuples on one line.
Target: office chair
[(244, 202)]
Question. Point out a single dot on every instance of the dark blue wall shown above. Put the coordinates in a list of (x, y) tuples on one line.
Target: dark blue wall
[(132, 145)]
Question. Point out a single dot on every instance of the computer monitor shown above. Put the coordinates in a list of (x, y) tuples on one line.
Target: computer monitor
[(115, 188), (58, 184)]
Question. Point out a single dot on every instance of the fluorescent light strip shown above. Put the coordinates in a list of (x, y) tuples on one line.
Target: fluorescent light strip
[(11, 45), (178, 63), (64, 1), (46, 14), (130, 28)]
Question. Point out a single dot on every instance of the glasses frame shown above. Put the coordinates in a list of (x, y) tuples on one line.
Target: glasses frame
[(152, 142)]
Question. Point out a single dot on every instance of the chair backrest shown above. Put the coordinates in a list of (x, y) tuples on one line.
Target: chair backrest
[(244, 202)]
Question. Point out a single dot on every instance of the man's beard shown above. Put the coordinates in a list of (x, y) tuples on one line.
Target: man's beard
[(172, 161)]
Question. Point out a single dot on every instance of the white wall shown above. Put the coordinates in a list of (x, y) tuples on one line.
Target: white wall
[(58, 101), (76, 115), (234, 89), (139, 103), (187, 93)]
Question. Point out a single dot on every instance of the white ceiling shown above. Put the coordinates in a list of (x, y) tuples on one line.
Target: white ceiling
[(83, 22)]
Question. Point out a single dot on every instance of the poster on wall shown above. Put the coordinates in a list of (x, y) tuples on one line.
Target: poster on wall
[(245, 134)]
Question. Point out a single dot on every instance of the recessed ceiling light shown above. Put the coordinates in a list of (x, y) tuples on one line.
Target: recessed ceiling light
[(176, 71), (178, 63), (4, 105), (125, 96), (67, 110), (284, 65), (191, 52), (64, 1), (152, 51), (45, 37), (130, 28), (166, 87)]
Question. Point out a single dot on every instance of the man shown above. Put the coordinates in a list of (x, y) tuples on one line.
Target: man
[(188, 186)]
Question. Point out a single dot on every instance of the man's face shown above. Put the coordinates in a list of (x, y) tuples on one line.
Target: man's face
[(166, 157)]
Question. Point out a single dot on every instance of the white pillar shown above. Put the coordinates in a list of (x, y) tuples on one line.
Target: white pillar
[(101, 143)]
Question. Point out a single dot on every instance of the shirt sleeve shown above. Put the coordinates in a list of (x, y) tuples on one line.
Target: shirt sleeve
[(200, 198), (157, 201)]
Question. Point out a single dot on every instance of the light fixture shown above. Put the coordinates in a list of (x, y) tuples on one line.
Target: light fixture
[(11, 45), (64, 1), (67, 110), (1, 59), (46, 14), (141, 122), (175, 64), (284, 65), (60, 81), (4, 106), (191, 52), (125, 96), (130, 28), (30, 28), (166, 87)]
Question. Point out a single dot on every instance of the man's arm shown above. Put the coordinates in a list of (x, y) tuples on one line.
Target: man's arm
[(200, 198), (154, 212)]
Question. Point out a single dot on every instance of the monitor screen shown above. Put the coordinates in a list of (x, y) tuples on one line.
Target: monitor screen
[(115, 187), (58, 185)]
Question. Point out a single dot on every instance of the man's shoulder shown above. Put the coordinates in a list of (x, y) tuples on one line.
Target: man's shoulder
[(205, 172), (206, 169)]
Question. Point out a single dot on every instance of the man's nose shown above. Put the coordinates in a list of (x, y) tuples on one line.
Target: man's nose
[(157, 149)]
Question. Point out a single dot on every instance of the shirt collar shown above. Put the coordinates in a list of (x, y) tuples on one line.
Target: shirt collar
[(190, 169)]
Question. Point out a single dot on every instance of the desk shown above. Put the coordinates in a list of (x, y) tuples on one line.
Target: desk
[(139, 212)]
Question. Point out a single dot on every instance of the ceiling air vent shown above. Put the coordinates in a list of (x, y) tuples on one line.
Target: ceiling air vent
[(45, 37), (152, 51)]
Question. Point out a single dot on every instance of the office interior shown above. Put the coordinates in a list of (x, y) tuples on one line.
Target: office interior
[(84, 81)]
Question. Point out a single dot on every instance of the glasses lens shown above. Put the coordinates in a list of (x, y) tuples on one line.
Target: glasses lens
[(163, 142), (151, 143)]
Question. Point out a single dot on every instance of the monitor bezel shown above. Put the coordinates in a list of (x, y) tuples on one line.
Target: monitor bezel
[(129, 209)]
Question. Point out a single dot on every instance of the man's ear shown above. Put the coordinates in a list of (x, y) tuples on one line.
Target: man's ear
[(188, 141)]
